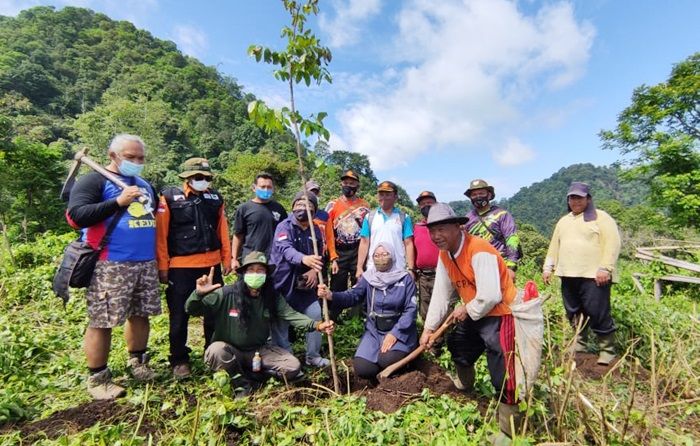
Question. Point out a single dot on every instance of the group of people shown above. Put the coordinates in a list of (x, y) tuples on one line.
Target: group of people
[(379, 261)]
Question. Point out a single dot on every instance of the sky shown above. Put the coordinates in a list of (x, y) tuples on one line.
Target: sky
[(437, 93)]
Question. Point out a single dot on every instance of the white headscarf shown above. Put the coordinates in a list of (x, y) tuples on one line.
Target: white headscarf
[(383, 280)]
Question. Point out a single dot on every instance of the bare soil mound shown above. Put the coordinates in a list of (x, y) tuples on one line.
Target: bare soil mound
[(392, 393)]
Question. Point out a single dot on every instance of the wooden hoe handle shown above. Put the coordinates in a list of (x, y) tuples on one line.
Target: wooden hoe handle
[(415, 353)]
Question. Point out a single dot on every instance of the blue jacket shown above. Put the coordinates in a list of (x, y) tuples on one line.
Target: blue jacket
[(399, 298), (289, 245)]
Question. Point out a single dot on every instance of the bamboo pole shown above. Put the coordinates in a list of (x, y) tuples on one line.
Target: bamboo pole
[(302, 175)]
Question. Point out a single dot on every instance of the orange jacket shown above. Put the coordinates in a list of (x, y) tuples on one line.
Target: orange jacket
[(198, 260)]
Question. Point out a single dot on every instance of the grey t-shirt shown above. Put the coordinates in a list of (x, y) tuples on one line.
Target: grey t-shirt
[(257, 223)]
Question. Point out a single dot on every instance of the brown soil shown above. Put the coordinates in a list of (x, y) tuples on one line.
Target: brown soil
[(588, 368), (75, 419), (392, 393)]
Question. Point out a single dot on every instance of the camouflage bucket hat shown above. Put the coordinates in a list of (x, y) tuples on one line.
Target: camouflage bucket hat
[(252, 258), (195, 166)]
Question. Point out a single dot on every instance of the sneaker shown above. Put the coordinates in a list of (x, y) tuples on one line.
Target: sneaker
[(182, 371), (140, 369), (101, 387), (318, 362)]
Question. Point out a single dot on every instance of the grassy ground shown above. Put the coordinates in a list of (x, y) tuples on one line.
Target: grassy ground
[(648, 397)]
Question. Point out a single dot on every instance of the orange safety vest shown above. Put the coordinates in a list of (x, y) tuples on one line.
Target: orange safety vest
[(461, 273)]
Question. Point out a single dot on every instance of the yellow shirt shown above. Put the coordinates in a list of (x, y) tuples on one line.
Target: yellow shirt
[(580, 248)]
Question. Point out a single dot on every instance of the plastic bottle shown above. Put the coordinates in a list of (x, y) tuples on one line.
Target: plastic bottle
[(257, 362)]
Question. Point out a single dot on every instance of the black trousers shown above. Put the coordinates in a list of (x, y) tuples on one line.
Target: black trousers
[(347, 266), (368, 370), (583, 298), (494, 335), (181, 283)]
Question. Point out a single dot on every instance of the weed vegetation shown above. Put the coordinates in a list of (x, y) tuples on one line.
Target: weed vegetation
[(648, 397)]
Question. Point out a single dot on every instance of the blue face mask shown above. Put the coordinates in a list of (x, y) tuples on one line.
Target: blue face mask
[(263, 194), (129, 169)]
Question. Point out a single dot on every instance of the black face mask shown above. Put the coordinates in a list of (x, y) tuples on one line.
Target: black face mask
[(349, 191), (300, 215), (425, 210), (480, 202)]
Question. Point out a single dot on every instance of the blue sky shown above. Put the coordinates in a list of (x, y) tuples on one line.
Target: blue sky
[(437, 93)]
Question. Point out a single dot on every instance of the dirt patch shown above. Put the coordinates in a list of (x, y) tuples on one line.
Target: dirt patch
[(76, 419), (390, 394), (588, 367)]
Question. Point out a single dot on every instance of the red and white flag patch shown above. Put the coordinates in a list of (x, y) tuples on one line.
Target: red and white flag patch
[(233, 312)]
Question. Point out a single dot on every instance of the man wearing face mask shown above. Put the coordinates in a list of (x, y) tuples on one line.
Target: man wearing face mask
[(192, 236), (255, 220), (124, 286), (243, 313), (426, 253), (343, 232), (493, 223), (296, 273), (386, 224)]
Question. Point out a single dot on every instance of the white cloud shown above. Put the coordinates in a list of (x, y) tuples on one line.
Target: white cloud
[(513, 153), (345, 27), (12, 7), (191, 40), (464, 67)]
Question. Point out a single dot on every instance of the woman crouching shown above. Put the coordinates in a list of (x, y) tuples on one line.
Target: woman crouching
[(243, 312), (390, 331)]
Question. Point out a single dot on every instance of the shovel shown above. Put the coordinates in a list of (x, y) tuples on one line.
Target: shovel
[(415, 353)]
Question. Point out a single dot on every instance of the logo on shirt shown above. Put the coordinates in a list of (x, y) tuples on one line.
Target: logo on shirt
[(276, 215), (233, 312)]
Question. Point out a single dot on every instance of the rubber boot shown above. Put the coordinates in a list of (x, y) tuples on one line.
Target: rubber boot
[(505, 413), (464, 380), (606, 343), (579, 346)]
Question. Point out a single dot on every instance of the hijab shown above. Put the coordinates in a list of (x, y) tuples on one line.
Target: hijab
[(383, 280)]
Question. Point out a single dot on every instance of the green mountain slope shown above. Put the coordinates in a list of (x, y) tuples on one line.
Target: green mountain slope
[(542, 203)]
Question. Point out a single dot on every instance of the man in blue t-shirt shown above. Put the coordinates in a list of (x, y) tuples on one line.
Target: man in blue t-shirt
[(124, 286), (387, 224)]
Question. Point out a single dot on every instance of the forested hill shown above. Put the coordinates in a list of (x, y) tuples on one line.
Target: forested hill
[(543, 203), (78, 76), (74, 77)]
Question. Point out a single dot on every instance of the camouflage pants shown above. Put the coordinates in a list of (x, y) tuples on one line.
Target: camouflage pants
[(119, 290)]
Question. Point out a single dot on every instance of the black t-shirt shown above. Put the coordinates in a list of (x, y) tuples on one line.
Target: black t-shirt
[(257, 223)]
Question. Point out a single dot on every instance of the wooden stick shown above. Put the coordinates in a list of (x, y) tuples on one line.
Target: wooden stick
[(586, 402), (415, 353), (300, 158)]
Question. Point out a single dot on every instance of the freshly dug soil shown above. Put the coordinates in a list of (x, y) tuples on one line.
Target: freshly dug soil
[(392, 393)]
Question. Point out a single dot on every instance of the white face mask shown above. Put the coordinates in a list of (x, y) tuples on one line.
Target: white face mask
[(199, 186)]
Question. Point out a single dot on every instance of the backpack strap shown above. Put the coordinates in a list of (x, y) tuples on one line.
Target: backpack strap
[(110, 228)]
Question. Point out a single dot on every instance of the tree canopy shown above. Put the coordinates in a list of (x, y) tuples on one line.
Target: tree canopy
[(660, 131)]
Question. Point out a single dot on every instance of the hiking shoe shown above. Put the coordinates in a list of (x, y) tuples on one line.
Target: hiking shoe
[(318, 362), (101, 387), (182, 371), (140, 369)]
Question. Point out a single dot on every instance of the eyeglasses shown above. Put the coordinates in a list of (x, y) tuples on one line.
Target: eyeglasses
[(200, 177)]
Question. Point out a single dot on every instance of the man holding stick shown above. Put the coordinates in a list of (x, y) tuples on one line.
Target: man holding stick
[(124, 287), (484, 322)]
